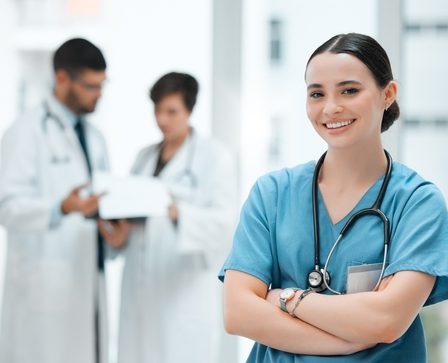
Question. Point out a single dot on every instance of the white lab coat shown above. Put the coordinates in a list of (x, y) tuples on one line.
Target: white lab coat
[(171, 309), (51, 278)]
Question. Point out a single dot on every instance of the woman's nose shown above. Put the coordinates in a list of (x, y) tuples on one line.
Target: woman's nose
[(332, 106), (162, 118)]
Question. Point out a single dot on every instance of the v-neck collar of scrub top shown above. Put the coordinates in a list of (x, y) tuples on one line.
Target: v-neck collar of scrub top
[(366, 201)]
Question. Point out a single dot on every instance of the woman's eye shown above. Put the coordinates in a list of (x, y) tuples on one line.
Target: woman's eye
[(350, 91), (316, 95)]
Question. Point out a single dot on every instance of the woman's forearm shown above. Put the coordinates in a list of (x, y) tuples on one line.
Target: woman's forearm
[(369, 317), (248, 314)]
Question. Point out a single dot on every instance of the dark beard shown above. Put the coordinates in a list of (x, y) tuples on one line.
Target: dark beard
[(74, 104)]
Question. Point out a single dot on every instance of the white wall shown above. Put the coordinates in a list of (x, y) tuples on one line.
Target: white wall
[(280, 91), (425, 56)]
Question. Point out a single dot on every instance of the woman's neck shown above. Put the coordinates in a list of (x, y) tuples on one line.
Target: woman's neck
[(170, 146), (360, 166), (347, 174)]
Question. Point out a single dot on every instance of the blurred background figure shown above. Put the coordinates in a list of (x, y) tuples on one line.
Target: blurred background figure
[(170, 307), (53, 305)]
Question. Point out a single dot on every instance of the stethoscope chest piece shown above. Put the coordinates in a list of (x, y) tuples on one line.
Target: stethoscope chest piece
[(316, 280)]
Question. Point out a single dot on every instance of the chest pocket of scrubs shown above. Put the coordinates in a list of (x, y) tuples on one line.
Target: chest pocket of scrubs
[(362, 277), (362, 249)]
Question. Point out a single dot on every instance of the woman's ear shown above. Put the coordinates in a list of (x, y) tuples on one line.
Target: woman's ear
[(390, 93)]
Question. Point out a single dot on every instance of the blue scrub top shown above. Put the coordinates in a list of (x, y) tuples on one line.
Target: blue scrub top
[(274, 242)]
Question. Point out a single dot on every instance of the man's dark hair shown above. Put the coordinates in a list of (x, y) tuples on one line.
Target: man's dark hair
[(184, 84), (76, 55)]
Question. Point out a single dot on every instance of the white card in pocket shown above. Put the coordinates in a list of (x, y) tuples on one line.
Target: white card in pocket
[(363, 278)]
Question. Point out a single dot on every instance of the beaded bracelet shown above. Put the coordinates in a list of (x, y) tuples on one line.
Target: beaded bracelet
[(300, 298)]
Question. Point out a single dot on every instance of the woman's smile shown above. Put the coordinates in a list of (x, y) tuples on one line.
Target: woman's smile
[(338, 124)]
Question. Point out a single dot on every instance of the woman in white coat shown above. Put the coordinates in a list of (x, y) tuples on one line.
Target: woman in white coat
[(171, 309), (53, 287)]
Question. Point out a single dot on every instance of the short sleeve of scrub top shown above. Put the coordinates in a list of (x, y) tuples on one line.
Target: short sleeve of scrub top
[(419, 240), (252, 250)]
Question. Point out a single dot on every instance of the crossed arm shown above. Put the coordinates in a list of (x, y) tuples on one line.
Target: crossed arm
[(326, 325)]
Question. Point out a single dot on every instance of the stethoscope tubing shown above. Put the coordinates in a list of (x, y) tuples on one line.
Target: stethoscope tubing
[(374, 210), (48, 115), (191, 152)]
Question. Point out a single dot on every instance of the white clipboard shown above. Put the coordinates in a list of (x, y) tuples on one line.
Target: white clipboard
[(130, 196)]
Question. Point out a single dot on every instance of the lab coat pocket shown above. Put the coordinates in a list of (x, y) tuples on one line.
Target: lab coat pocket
[(362, 277)]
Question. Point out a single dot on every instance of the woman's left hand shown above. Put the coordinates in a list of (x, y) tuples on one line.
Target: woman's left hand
[(173, 212), (115, 233), (273, 296)]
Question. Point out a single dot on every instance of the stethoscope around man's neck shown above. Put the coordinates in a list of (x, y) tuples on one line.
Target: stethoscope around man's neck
[(60, 157), (319, 278), (48, 115)]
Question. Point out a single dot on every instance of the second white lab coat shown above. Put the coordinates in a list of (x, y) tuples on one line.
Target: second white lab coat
[(51, 279), (171, 308)]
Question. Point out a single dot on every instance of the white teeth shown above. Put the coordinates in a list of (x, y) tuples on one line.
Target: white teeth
[(335, 125)]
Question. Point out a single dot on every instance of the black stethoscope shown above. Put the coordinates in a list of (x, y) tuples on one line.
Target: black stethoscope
[(319, 278)]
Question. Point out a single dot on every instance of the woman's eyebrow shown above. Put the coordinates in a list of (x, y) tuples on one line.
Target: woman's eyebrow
[(345, 83), (340, 84), (314, 85)]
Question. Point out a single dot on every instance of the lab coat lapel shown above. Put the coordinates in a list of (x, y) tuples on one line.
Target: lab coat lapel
[(68, 132), (178, 162)]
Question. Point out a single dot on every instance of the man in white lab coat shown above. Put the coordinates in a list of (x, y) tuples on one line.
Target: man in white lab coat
[(171, 303), (53, 304)]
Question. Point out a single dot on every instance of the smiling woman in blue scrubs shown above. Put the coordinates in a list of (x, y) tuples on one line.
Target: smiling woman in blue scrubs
[(350, 101)]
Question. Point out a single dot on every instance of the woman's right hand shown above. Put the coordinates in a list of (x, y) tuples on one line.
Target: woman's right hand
[(114, 232)]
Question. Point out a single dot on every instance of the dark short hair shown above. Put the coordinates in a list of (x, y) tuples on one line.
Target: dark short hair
[(184, 84), (373, 55), (76, 55)]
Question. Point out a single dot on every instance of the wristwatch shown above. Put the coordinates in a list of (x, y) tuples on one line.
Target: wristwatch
[(286, 295)]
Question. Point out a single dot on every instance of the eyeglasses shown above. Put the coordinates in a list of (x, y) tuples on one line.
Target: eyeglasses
[(89, 86)]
